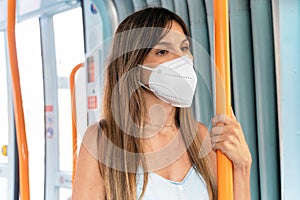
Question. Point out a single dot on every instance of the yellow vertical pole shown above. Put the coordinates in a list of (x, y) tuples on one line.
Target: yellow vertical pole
[(223, 94), (17, 97)]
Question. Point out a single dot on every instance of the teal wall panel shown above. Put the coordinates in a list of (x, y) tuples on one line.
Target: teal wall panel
[(181, 9), (203, 104), (169, 4), (153, 3), (266, 109), (243, 81), (124, 8), (139, 4)]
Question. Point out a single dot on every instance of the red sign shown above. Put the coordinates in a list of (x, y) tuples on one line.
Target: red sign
[(49, 108), (92, 102)]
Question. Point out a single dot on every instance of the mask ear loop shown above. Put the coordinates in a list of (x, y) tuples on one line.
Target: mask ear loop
[(142, 84), (148, 68), (145, 86)]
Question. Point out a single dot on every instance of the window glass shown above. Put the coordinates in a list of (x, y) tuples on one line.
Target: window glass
[(31, 80), (69, 52), (68, 33), (3, 99), (69, 44), (3, 187), (3, 112)]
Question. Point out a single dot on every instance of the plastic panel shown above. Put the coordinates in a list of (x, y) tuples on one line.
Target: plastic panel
[(139, 4), (289, 87), (168, 4), (202, 59), (181, 9), (51, 108), (264, 70), (153, 3), (124, 8), (243, 81)]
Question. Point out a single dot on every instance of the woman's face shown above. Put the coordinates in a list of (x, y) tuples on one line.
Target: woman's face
[(173, 45)]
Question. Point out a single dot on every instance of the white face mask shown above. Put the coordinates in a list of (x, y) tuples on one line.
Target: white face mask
[(174, 81)]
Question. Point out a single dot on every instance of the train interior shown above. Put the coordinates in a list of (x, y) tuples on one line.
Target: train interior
[(61, 50)]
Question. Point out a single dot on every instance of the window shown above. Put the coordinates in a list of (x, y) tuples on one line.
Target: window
[(69, 44), (31, 80), (3, 112), (68, 32)]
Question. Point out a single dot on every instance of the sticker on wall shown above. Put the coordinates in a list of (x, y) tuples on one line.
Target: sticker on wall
[(92, 102), (49, 132), (93, 8), (91, 69), (49, 121)]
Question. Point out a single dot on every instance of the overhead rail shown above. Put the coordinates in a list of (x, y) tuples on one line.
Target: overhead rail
[(74, 120), (223, 93), (49, 9), (17, 99)]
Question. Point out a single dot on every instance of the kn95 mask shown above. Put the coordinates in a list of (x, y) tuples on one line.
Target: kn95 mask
[(174, 81)]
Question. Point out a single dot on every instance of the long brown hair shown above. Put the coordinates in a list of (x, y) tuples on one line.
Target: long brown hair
[(124, 106)]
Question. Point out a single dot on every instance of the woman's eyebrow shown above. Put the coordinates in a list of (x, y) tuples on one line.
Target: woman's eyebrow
[(185, 40), (164, 43)]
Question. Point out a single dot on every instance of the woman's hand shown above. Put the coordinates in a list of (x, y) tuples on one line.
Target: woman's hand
[(228, 137)]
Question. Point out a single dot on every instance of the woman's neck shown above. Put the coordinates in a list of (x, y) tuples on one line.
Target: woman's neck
[(158, 112)]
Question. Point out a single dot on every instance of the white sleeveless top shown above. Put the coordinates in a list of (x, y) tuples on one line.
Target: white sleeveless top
[(193, 187)]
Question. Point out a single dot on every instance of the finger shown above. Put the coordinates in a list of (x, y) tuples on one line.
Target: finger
[(222, 146), (217, 130), (218, 120), (223, 119), (229, 134), (216, 139), (217, 146)]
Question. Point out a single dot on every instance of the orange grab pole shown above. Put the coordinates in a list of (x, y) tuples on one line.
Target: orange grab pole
[(18, 107), (74, 128), (223, 94)]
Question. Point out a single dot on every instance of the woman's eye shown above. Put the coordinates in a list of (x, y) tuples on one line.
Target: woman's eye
[(185, 48), (162, 52)]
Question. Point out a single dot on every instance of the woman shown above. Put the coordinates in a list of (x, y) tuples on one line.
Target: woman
[(148, 145)]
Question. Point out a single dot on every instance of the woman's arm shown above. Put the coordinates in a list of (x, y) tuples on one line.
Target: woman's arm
[(88, 183), (241, 182), (228, 137)]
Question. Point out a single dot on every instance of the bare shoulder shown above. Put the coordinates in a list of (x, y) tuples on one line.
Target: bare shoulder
[(90, 139), (202, 130), (88, 183)]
